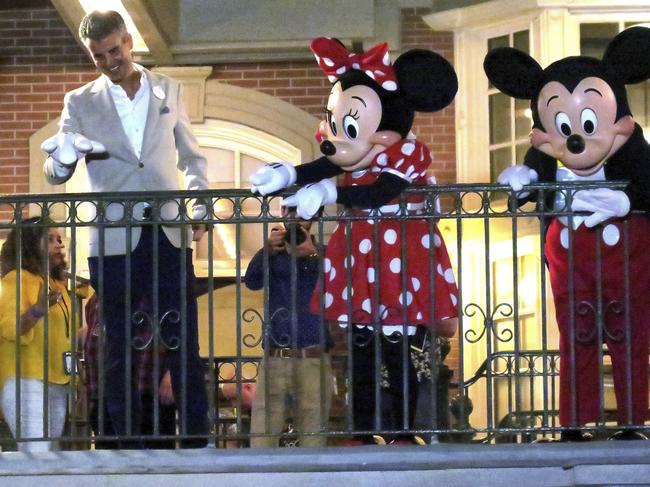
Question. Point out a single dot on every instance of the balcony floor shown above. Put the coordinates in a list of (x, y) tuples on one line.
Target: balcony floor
[(447, 465)]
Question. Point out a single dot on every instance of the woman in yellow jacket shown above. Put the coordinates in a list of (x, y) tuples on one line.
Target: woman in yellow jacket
[(39, 366)]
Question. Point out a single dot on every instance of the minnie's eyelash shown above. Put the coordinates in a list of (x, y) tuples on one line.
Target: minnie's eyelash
[(354, 115)]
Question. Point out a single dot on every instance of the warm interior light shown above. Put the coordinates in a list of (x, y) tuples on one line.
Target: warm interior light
[(139, 46)]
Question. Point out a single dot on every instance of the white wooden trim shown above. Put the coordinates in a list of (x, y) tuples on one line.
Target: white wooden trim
[(239, 138)]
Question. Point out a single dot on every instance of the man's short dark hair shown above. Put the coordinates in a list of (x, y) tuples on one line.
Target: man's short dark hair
[(97, 25)]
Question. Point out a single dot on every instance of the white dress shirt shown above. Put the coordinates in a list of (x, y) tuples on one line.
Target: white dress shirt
[(132, 113)]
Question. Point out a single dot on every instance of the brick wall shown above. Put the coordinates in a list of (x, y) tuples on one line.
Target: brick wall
[(437, 130), (39, 62)]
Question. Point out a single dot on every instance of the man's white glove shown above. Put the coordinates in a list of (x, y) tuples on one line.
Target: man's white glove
[(273, 177), (603, 203), (517, 177), (310, 198), (65, 149)]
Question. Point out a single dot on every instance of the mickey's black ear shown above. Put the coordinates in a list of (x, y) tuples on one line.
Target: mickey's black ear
[(513, 72), (427, 80), (628, 55)]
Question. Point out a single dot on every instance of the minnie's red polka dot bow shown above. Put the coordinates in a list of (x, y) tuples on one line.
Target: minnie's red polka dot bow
[(334, 59)]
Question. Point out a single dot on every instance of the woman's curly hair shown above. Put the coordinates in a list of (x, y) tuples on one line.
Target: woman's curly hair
[(33, 248)]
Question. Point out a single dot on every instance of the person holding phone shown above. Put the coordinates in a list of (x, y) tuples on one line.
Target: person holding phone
[(296, 345)]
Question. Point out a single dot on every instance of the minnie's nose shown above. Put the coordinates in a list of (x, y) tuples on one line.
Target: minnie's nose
[(327, 148)]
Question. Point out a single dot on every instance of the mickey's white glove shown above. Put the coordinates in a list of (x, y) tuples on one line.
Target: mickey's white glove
[(310, 198), (273, 177), (199, 211), (603, 203), (65, 149), (517, 177)]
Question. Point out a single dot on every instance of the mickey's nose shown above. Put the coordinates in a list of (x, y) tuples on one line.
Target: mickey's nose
[(327, 148), (575, 144)]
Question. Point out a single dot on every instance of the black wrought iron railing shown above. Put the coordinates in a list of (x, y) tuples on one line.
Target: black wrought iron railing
[(470, 262)]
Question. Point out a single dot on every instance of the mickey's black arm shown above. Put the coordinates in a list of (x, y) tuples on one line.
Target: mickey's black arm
[(632, 163), (545, 166)]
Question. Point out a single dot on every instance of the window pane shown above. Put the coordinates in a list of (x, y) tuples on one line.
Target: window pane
[(248, 166), (495, 42), (500, 118), (520, 152), (499, 160), (523, 122), (521, 41), (632, 24), (221, 166), (595, 37)]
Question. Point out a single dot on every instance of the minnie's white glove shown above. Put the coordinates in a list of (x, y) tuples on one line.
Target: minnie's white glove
[(273, 177), (65, 149), (517, 177), (603, 203), (310, 198)]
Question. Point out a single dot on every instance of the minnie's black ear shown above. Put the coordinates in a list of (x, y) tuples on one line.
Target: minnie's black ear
[(513, 72), (628, 55), (426, 79)]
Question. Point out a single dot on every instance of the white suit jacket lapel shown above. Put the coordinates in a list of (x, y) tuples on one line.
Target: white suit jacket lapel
[(112, 122), (157, 107)]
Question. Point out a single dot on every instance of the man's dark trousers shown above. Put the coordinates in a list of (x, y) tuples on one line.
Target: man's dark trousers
[(189, 379)]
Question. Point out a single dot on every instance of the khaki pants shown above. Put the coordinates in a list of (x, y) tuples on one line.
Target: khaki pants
[(300, 377)]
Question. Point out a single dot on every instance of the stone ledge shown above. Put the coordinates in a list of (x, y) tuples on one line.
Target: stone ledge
[(440, 457)]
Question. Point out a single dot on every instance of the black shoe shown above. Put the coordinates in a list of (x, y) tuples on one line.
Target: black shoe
[(628, 434), (194, 443), (575, 436)]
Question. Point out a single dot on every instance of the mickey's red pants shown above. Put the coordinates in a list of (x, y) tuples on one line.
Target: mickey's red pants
[(577, 309)]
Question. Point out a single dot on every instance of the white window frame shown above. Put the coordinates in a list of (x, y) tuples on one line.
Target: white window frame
[(512, 141)]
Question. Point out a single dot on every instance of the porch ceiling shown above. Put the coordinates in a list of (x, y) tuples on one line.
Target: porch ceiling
[(212, 31)]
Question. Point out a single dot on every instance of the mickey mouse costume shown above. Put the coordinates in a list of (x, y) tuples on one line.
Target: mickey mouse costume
[(370, 112), (583, 131)]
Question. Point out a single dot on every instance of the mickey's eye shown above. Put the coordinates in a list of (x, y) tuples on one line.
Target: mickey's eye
[(563, 124), (351, 126), (589, 121)]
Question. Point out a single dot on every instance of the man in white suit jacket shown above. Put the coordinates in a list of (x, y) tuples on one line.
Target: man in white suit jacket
[(130, 125)]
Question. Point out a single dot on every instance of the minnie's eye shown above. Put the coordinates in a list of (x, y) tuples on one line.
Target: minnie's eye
[(589, 121), (332, 123), (350, 126), (563, 124)]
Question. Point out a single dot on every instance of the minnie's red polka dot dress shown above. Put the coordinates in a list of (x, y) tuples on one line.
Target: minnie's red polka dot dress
[(408, 159)]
